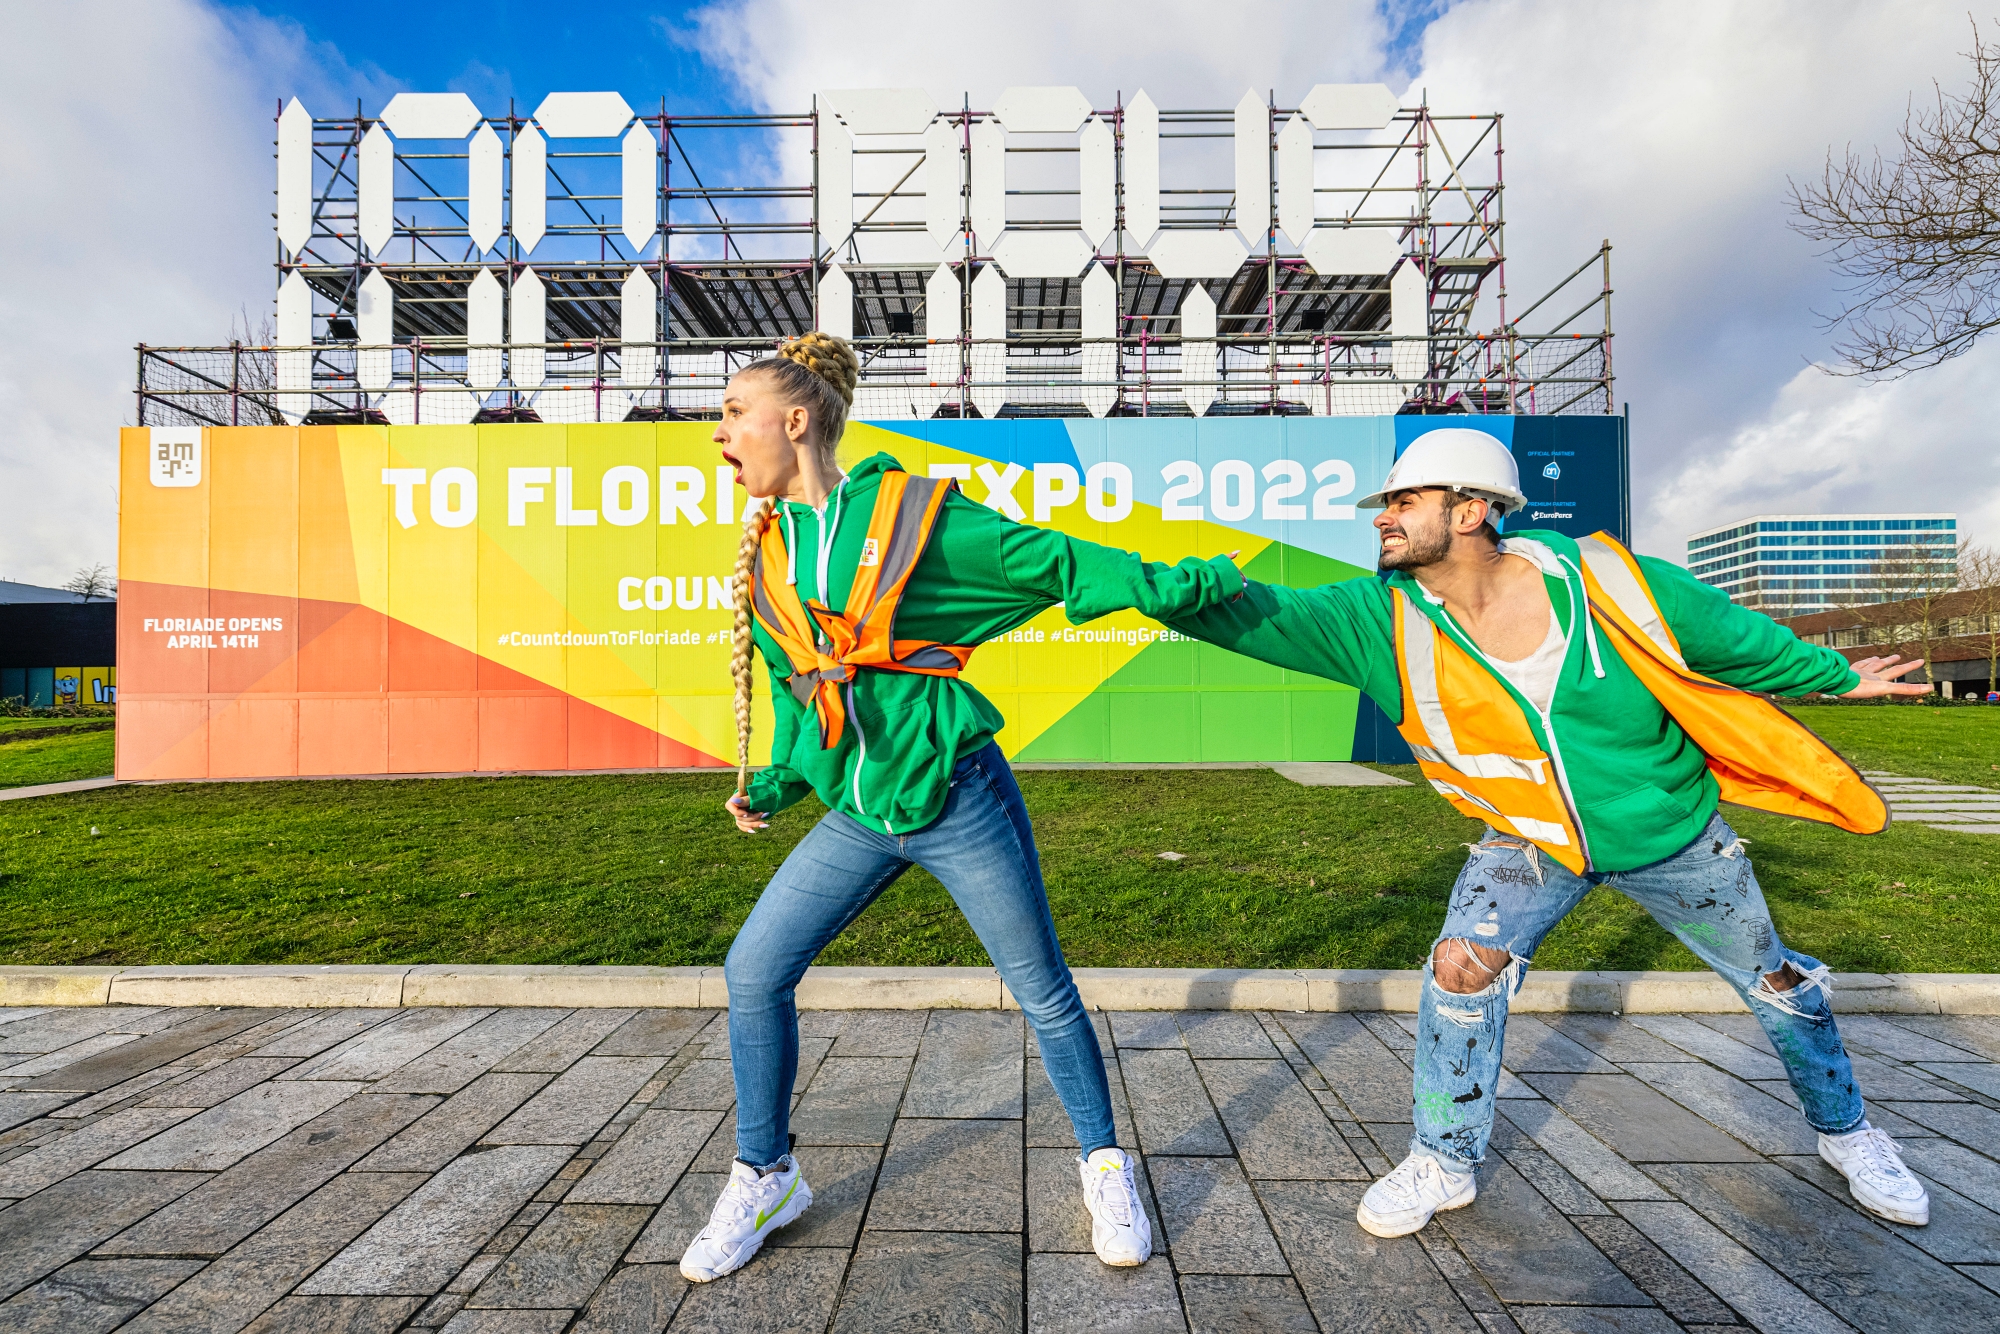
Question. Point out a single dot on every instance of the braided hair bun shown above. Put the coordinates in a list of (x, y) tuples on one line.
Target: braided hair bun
[(829, 357)]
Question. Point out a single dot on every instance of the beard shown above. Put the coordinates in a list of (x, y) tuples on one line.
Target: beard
[(1423, 546)]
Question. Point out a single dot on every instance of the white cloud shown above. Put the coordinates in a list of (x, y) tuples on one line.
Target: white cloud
[(138, 174), (1671, 129)]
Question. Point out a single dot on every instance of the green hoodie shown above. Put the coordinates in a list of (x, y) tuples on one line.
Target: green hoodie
[(981, 576), (1640, 787)]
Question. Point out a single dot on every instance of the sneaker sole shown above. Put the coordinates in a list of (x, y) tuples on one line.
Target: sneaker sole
[(1371, 1222), (744, 1258)]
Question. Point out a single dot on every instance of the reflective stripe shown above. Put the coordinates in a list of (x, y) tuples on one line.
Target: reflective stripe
[(1420, 656), (1541, 831), (1618, 582), (1485, 766)]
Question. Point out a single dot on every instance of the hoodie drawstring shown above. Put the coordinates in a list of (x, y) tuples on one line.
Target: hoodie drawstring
[(1581, 601), (827, 531), (791, 544)]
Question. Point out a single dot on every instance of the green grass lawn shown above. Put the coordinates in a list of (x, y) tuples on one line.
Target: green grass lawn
[(78, 750), (646, 869), (1955, 743)]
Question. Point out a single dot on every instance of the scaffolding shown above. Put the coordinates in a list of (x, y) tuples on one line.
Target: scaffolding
[(1043, 257)]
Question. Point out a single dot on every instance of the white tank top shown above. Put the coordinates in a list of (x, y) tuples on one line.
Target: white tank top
[(1535, 675)]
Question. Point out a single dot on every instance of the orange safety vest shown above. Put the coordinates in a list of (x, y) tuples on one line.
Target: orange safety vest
[(824, 663), (1474, 744)]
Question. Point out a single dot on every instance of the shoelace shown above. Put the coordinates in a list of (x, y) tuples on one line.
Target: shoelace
[(740, 1200), (1878, 1153), (1408, 1178), (1116, 1202)]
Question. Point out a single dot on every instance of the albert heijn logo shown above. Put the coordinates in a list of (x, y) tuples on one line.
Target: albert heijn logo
[(175, 452)]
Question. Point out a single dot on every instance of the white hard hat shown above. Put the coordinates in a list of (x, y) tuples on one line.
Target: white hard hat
[(1462, 459)]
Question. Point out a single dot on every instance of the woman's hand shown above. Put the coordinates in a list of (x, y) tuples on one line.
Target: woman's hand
[(1878, 677), (747, 820)]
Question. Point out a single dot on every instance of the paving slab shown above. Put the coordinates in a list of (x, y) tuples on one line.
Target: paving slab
[(1706, 1043), (424, 1241), (1556, 1185), (20, 1108), (1275, 1126), (83, 1147), (1873, 1035), (1145, 1028), (220, 1083), (842, 1181), (1745, 1111), (225, 1134), (1580, 1153), (892, 1284), (1527, 1251), (969, 1064), (107, 1068), (335, 1315), (701, 1086), (60, 1027), (1978, 1076), (880, 1033), (559, 1046), (1856, 1268), (463, 1057), (957, 1175), (683, 1214), (383, 1048), (576, 1103), (1749, 1285), (654, 1033), (1245, 1304), (1077, 1294), (1969, 1123), (852, 1100), (1350, 1279), (46, 1231), (1653, 1272), (1048, 1121), (1638, 1123), (1960, 1232), (794, 1288), (1594, 1320), (1362, 1073), (1977, 1036), (453, 1124), (233, 1205), (1212, 1219), (636, 1298), (93, 1296), (1224, 1035), (232, 1291), (1170, 1108), (647, 1159), (1534, 1045), (563, 1260)]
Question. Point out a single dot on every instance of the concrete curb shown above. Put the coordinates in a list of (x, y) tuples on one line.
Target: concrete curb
[(393, 985)]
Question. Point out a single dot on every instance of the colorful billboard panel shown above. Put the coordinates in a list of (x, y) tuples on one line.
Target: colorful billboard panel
[(327, 600)]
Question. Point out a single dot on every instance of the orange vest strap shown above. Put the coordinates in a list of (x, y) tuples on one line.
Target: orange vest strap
[(824, 647)]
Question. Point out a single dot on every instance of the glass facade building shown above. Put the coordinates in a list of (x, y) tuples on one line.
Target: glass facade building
[(1792, 564)]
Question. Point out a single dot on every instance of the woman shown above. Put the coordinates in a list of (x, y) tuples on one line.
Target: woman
[(873, 718)]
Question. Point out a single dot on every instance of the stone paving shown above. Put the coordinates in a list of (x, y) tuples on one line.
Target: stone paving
[(1959, 807), (541, 1170)]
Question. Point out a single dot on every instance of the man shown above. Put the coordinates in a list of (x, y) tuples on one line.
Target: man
[(1590, 706)]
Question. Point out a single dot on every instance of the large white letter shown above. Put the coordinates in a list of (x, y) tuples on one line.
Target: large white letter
[(681, 492), (1094, 502), (615, 480), (1055, 486), (405, 480), (628, 594), (522, 492), (566, 515), (443, 513)]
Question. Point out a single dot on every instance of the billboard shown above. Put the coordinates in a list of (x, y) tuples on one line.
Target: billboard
[(325, 600)]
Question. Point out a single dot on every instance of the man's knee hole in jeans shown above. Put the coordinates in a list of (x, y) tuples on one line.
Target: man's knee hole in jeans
[(1464, 969)]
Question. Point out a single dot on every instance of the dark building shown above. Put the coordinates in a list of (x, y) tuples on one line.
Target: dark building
[(56, 647)]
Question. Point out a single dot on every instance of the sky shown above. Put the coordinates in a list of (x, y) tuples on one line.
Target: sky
[(137, 177)]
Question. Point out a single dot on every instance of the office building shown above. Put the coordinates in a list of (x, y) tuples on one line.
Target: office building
[(1791, 564)]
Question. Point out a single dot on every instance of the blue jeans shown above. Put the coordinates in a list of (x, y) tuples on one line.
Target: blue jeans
[(1510, 895), (982, 848)]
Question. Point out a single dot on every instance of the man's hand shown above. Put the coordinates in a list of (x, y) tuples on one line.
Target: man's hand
[(747, 820), (1878, 677)]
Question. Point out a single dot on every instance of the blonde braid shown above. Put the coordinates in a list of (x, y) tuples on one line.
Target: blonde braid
[(754, 527)]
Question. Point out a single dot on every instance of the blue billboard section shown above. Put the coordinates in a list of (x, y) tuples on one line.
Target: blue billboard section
[(1573, 469)]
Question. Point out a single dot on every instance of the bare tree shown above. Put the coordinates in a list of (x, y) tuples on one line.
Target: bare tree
[(1918, 237), (1979, 580), (95, 581), (1913, 611)]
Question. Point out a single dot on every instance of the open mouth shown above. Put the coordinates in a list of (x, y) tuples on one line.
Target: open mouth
[(726, 458)]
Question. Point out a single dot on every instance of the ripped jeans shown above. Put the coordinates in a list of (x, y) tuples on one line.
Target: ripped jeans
[(1510, 895)]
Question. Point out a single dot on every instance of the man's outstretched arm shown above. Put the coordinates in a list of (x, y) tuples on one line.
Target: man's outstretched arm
[(1340, 631)]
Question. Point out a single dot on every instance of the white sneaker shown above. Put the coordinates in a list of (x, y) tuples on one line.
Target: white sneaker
[(1404, 1201), (1875, 1174), (1119, 1229), (751, 1208)]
